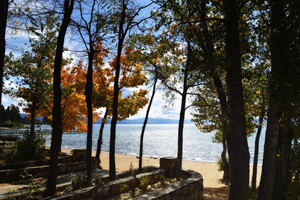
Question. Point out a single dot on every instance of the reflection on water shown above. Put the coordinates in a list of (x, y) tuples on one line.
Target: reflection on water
[(159, 141)]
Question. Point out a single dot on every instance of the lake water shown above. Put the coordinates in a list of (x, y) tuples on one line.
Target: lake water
[(160, 140)]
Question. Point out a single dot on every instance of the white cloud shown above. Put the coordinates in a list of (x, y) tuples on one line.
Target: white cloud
[(8, 100), (160, 109)]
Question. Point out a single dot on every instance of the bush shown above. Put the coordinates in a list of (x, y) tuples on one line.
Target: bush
[(26, 148), (144, 183), (8, 123), (220, 163), (78, 181)]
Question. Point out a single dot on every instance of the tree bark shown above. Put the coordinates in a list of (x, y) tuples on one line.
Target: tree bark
[(88, 93), (209, 55), (145, 124), (236, 137), (57, 129), (266, 187), (282, 164), (121, 36), (32, 122), (226, 129), (227, 171), (256, 149), (3, 19), (182, 108), (101, 136)]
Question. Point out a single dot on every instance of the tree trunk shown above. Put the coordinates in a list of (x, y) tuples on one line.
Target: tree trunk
[(60, 140), (256, 150), (145, 123), (282, 164), (121, 37), (32, 122), (88, 93), (266, 187), (227, 171), (56, 127), (182, 108), (236, 137), (209, 55), (226, 129), (101, 136), (3, 19)]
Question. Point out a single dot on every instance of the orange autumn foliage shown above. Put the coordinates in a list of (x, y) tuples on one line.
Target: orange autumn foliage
[(74, 110), (132, 75)]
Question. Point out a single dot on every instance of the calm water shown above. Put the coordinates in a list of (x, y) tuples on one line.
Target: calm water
[(159, 141)]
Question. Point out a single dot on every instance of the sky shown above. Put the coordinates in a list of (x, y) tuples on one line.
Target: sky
[(159, 109)]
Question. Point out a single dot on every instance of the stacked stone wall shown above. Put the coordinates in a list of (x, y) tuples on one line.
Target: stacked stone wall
[(190, 188), (39, 168)]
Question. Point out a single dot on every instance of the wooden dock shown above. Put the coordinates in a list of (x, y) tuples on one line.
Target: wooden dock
[(14, 132)]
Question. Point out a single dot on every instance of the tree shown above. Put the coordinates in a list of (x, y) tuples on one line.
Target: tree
[(283, 108), (89, 27), (151, 47), (57, 122), (132, 76), (33, 68), (127, 13), (74, 111), (237, 140)]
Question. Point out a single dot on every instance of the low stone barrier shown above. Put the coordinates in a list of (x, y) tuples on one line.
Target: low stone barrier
[(40, 168), (190, 188)]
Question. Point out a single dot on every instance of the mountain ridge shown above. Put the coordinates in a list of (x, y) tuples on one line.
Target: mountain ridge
[(136, 121)]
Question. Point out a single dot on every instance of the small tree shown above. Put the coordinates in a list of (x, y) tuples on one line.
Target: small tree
[(132, 76), (33, 69)]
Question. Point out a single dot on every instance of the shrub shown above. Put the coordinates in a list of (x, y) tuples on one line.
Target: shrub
[(131, 171), (33, 187), (144, 183), (79, 181), (220, 163), (26, 148)]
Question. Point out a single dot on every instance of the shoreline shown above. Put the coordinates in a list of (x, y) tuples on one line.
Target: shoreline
[(209, 170)]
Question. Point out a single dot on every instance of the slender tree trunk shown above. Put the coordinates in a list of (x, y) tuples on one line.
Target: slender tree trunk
[(101, 136), (227, 171), (57, 129), (209, 50), (182, 108), (88, 92), (32, 122), (145, 123), (266, 188), (60, 140), (282, 164), (121, 37), (3, 19), (236, 137), (256, 150), (224, 110)]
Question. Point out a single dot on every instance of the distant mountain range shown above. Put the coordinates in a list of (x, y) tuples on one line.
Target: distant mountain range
[(150, 121), (137, 121)]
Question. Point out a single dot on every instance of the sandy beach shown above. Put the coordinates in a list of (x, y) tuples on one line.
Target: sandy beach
[(209, 170)]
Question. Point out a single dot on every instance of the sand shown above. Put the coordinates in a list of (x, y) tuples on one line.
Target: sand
[(209, 170)]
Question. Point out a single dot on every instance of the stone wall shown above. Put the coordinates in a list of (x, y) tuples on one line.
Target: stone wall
[(190, 188), (76, 162)]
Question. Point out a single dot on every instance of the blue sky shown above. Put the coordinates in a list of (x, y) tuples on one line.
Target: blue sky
[(159, 107)]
